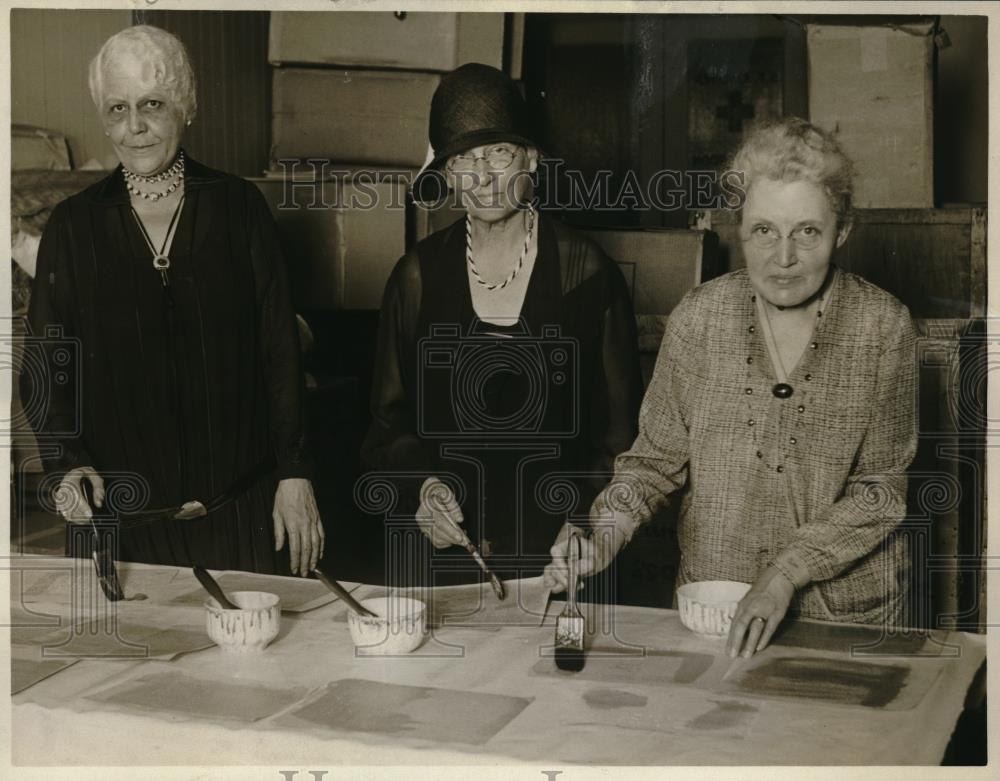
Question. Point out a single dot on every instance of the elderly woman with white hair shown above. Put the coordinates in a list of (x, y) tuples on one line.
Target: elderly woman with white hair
[(169, 277), (782, 410)]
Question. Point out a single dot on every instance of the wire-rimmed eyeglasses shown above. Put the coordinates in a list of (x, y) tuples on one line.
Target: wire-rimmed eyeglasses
[(767, 236), (498, 157)]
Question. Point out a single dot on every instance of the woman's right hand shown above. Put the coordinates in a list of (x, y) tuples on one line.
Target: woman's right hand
[(596, 553), (71, 502), (439, 513)]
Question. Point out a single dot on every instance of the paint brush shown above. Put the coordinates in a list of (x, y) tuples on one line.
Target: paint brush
[(466, 543), (570, 624), (343, 593)]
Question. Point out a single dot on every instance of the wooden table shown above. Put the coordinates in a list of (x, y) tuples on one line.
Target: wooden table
[(488, 696)]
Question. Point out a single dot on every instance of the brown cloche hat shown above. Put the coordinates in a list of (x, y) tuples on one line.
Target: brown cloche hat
[(473, 105)]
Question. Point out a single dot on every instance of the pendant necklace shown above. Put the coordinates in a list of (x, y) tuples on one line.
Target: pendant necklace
[(782, 389), (520, 261), (160, 260)]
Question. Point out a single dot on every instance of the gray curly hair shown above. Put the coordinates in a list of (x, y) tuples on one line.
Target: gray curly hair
[(792, 149), (171, 66)]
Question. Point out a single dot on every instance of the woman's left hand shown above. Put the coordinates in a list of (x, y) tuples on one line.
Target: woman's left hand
[(295, 511), (767, 600)]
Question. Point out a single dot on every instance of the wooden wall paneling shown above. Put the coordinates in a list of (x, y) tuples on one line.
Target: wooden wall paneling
[(646, 57), (973, 422), (228, 51), (796, 92), (675, 111), (50, 53), (946, 503), (513, 46)]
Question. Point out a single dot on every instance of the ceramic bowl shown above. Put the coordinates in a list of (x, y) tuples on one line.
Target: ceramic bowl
[(250, 628), (707, 606), (399, 626)]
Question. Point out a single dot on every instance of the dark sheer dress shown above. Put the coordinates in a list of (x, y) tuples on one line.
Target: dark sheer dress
[(523, 421), (173, 398)]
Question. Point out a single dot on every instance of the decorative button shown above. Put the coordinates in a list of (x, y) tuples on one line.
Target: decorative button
[(749, 391), (754, 299), (750, 422), (801, 408), (759, 454), (793, 440), (751, 329), (779, 468), (782, 390), (750, 359), (815, 345), (808, 377)]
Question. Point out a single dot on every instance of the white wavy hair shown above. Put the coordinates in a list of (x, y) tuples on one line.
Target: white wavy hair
[(167, 55), (792, 149)]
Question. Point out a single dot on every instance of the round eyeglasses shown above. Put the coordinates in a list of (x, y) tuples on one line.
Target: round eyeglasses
[(497, 158), (766, 237)]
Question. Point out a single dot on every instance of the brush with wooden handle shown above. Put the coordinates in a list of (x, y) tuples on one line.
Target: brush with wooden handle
[(570, 624), (466, 543)]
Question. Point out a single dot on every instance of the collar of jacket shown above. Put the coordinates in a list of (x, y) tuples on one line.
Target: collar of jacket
[(112, 190)]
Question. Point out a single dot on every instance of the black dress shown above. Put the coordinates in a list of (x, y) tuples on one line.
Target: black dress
[(523, 421), (178, 397)]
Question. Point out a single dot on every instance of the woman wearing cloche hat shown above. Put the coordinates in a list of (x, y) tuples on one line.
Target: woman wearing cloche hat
[(507, 373)]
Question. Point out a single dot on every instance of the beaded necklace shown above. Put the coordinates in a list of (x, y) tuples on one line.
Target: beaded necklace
[(520, 260), (175, 173), (782, 389)]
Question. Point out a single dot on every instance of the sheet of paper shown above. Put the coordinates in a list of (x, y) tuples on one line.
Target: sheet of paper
[(27, 669), (297, 594), (654, 667), (175, 692), (899, 684), (121, 640), (446, 715), (857, 640)]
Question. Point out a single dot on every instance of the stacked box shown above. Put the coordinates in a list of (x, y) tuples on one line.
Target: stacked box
[(873, 86), (353, 116), (411, 41)]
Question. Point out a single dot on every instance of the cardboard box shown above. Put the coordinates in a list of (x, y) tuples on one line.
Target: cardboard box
[(873, 86), (341, 238), (415, 41), (373, 117)]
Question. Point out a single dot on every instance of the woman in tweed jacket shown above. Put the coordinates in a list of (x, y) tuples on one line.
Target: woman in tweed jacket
[(783, 401)]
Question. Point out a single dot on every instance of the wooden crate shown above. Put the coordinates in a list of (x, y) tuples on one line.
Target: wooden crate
[(341, 238), (414, 41), (354, 116), (946, 508), (874, 87), (933, 260), (660, 266)]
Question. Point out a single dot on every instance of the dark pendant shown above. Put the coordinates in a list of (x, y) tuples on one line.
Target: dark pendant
[(782, 390), (161, 262)]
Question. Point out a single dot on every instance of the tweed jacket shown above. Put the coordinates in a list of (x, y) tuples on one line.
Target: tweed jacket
[(814, 484)]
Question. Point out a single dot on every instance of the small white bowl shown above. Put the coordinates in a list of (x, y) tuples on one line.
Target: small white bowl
[(250, 628), (708, 606), (398, 627)]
